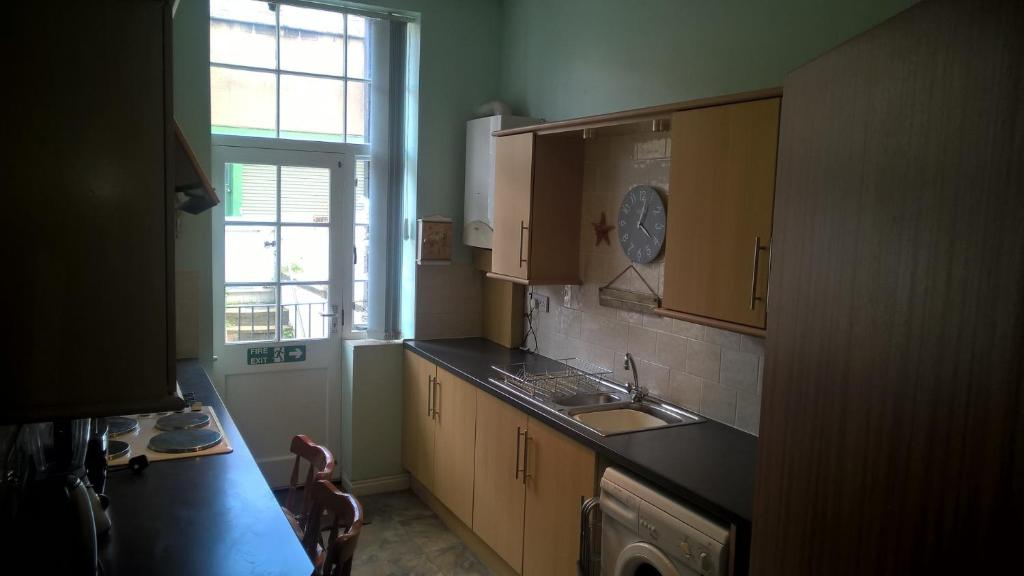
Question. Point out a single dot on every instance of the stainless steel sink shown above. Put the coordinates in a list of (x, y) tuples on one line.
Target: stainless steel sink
[(623, 417), (584, 397), (592, 399)]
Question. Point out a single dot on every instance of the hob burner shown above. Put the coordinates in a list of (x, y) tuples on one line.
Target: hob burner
[(181, 441), (117, 449), (121, 425), (183, 421)]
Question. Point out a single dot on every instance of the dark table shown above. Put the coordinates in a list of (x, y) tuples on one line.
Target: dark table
[(204, 515)]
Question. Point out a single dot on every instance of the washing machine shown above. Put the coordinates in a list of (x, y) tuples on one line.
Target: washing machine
[(646, 533)]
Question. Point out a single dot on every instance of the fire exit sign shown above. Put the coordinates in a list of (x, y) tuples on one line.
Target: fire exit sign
[(276, 354)]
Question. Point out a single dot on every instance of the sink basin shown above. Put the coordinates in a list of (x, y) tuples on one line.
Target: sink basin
[(621, 417), (596, 398), (619, 420)]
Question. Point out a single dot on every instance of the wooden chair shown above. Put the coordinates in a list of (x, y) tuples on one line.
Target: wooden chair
[(345, 516), (321, 466)]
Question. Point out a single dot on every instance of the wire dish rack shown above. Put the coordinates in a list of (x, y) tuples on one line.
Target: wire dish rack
[(554, 379)]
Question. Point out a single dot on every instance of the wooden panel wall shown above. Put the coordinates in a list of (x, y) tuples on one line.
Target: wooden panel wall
[(892, 426)]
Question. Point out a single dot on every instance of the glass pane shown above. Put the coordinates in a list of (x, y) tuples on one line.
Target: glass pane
[(249, 253), (250, 192), (356, 58), (242, 33), (356, 26), (305, 194), (312, 41), (302, 310), (361, 232), (243, 102), (249, 313), (311, 108), (304, 253), (357, 111)]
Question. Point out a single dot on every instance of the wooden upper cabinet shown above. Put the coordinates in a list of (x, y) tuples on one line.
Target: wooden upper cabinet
[(513, 185), (418, 418), (538, 185), (454, 439), (561, 474), (89, 193), (722, 186)]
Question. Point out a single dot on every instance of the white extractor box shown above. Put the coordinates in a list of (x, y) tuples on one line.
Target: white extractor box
[(479, 210)]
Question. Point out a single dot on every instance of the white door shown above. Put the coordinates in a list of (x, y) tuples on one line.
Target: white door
[(281, 267)]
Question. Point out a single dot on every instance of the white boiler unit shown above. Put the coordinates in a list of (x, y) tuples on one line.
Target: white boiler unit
[(479, 210)]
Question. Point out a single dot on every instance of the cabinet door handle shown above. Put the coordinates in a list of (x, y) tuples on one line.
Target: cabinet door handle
[(522, 228), (519, 432), (437, 392), (526, 455), (753, 276), (430, 396)]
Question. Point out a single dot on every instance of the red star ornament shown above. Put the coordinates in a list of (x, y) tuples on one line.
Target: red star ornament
[(601, 230)]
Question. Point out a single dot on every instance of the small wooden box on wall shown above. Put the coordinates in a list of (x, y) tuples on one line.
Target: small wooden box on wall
[(434, 240), (503, 305)]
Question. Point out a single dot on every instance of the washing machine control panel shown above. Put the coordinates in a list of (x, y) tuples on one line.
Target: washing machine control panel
[(683, 542)]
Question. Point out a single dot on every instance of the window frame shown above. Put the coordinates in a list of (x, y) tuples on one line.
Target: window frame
[(277, 71), (377, 98)]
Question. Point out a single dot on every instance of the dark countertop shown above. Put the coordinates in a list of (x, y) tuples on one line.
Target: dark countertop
[(204, 515), (709, 465)]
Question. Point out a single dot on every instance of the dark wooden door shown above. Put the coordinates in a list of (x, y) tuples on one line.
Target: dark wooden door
[(892, 426)]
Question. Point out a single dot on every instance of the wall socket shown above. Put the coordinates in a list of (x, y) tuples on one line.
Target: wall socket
[(540, 302)]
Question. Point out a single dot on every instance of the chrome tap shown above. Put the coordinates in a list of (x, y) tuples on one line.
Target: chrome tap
[(638, 393)]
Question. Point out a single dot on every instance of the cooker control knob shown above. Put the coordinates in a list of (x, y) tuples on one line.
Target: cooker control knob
[(685, 547)]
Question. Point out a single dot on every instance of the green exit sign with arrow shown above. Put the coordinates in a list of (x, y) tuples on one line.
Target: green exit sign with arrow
[(276, 354)]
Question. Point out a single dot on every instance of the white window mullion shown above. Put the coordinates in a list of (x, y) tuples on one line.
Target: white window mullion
[(277, 258)]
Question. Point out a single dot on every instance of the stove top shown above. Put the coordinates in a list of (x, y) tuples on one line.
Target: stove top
[(193, 432)]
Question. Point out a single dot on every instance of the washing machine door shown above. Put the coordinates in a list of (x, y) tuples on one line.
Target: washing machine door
[(644, 559)]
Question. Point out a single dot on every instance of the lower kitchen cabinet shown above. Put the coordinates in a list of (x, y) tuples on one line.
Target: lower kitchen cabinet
[(499, 489), (560, 475), (530, 483), (418, 418), (454, 433), (517, 483)]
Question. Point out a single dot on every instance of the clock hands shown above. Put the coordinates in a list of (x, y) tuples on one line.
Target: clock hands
[(644, 229), (643, 214)]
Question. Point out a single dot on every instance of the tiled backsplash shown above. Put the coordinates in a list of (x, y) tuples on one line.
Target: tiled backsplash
[(714, 372), (448, 301)]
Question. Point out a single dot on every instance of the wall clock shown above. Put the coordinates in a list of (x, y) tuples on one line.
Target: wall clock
[(642, 224)]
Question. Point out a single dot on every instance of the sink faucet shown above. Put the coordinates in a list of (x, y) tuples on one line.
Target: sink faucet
[(638, 393)]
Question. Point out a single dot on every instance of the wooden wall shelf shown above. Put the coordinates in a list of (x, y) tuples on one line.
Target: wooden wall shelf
[(660, 112), (190, 179)]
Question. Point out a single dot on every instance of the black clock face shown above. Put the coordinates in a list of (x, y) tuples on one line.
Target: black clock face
[(642, 221)]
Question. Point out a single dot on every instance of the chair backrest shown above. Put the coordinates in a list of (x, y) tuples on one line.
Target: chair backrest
[(321, 466), (345, 517)]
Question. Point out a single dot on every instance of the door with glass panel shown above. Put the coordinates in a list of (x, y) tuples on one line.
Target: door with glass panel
[(284, 264)]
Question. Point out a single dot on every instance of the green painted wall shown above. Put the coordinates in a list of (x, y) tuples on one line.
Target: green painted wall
[(460, 42), (192, 111), (579, 57)]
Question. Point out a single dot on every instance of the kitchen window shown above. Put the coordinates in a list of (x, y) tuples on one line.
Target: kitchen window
[(300, 137), (281, 71)]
